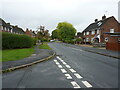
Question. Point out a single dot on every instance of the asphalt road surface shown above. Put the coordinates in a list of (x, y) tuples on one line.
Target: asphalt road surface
[(71, 68)]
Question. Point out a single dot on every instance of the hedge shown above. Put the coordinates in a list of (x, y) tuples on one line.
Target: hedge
[(12, 41)]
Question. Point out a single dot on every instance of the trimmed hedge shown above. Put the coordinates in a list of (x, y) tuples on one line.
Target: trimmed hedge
[(12, 41)]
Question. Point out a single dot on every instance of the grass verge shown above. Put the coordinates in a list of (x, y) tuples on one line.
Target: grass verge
[(44, 46), (16, 54)]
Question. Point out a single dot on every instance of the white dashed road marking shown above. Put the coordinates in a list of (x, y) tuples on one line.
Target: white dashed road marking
[(60, 66), (78, 76), (67, 66), (64, 63), (68, 76), (57, 63), (72, 70), (63, 71), (88, 85), (75, 85)]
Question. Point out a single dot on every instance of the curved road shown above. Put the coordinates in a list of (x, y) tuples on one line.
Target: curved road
[(71, 68)]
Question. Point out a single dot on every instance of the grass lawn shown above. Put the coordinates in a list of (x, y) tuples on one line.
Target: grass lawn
[(44, 46), (16, 54)]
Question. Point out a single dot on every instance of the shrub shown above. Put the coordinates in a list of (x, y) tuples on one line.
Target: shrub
[(11, 41)]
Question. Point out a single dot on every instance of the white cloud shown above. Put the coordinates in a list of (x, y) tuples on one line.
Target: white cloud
[(80, 13)]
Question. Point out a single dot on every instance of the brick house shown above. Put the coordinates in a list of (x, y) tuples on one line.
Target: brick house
[(95, 32), (105, 31), (30, 33)]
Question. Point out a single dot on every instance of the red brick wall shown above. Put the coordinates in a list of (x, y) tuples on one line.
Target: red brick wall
[(113, 46), (112, 23)]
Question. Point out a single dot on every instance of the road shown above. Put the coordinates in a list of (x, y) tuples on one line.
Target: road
[(71, 68)]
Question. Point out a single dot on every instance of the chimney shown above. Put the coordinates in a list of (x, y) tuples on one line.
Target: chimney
[(96, 20), (103, 17)]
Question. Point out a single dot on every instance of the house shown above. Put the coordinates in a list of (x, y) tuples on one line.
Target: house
[(6, 27), (30, 33), (17, 30), (95, 32)]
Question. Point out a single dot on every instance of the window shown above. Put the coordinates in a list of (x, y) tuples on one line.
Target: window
[(111, 30), (99, 23), (1, 27), (118, 39), (97, 31), (106, 39), (87, 39), (93, 32), (87, 33), (84, 33)]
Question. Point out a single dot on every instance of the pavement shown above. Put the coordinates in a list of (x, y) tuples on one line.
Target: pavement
[(71, 68), (114, 54), (37, 55)]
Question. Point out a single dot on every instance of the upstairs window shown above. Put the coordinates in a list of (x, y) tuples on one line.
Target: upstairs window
[(99, 23), (84, 33), (112, 30), (93, 32), (87, 33)]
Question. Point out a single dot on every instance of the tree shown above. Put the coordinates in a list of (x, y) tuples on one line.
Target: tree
[(55, 34), (43, 34), (66, 30)]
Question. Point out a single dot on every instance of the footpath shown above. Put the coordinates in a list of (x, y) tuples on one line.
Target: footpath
[(113, 54), (38, 56)]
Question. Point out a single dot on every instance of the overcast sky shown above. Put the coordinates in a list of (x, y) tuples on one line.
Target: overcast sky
[(33, 13)]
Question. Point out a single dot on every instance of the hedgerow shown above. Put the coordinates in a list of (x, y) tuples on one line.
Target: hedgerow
[(12, 41)]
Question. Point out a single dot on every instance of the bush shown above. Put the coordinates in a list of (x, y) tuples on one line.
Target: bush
[(11, 41)]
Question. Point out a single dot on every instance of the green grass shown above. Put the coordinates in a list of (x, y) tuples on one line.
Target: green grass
[(16, 54), (44, 46)]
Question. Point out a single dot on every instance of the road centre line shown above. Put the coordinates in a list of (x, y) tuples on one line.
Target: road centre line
[(64, 63), (72, 70), (78, 75), (57, 63), (87, 84), (60, 66), (67, 66), (68, 76), (75, 85), (63, 71)]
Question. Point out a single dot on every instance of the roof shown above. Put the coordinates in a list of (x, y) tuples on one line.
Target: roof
[(18, 30), (97, 25), (4, 24)]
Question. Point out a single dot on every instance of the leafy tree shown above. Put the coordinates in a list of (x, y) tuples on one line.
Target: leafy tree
[(43, 34), (55, 34), (66, 30)]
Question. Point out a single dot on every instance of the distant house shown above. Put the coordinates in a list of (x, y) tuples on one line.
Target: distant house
[(30, 33), (17, 30), (95, 32), (6, 27)]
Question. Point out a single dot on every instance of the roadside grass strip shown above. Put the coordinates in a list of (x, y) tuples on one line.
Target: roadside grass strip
[(87, 84), (78, 75), (68, 76), (75, 85)]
